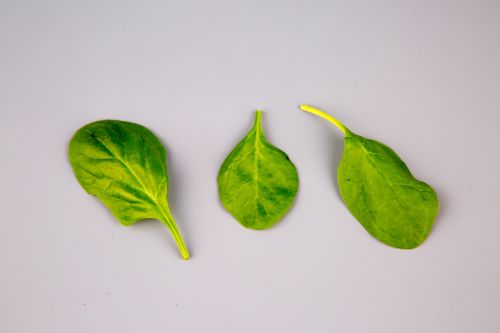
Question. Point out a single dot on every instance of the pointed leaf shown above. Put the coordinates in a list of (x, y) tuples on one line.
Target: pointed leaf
[(257, 181)]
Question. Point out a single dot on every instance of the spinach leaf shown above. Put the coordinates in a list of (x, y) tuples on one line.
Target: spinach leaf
[(379, 190), (123, 164), (257, 181)]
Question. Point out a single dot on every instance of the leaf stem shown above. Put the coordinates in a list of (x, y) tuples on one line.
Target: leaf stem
[(167, 219), (257, 124), (326, 116)]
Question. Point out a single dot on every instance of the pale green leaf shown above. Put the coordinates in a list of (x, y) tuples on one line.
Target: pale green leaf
[(257, 181)]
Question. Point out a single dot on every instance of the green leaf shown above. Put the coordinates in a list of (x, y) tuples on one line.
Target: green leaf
[(257, 181), (379, 190), (123, 164)]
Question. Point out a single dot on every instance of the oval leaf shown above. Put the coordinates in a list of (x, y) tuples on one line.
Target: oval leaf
[(257, 181), (380, 191), (123, 164)]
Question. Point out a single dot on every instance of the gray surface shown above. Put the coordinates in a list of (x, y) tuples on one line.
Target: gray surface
[(421, 76)]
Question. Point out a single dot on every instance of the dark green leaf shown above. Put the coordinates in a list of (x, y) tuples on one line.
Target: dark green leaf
[(379, 190), (124, 165), (257, 181)]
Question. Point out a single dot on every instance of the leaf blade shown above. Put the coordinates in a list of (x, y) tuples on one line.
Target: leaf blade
[(380, 191)]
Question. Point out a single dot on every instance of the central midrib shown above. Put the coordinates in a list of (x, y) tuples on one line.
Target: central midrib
[(381, 174), (256, 171)]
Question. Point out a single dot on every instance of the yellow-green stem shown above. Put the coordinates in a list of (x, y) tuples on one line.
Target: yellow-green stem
[(168, 220), (326, 116)]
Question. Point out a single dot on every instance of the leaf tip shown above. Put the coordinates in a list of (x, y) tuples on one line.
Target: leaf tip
[(304, 107), (258, 120)]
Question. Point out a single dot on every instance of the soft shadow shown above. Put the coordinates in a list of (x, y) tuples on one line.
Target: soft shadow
[(333, 152), (158, 230), (443, 209)]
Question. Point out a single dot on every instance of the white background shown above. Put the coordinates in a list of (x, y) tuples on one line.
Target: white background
[(421, 76)]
